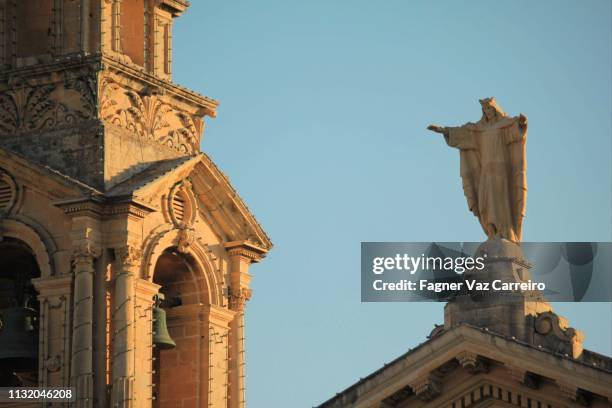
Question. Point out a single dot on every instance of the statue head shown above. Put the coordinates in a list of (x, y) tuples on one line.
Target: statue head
[(491, 111)]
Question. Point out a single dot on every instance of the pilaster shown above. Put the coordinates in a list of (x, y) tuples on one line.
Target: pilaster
[(241, 255), (82, 331), (143, 353), (127, 261), (54, 335)]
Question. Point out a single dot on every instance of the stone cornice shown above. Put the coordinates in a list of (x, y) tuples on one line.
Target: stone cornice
[(65, 63), (97, 62), (246, 250), (98, 207), (134, 72), (145, 290), (53, 286), (176, 7)]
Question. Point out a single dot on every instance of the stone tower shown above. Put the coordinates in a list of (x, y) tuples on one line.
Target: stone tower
[(106, 201)]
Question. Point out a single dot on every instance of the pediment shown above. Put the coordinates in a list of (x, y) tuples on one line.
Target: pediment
[(186, 187), (465, 366), (17, 172)]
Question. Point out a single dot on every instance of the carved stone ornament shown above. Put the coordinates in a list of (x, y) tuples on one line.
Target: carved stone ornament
[(427, 387), (27, 106), (181, 205), (472, 362), (53, 363), (86, 252), (186, 237), (239, 297), (550, 325), (128, 256), (149, 116)]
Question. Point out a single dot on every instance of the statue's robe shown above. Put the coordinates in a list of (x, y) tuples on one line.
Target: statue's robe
[(493, 170)]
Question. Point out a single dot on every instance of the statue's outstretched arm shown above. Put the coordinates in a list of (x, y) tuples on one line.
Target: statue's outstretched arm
[(438, 129)]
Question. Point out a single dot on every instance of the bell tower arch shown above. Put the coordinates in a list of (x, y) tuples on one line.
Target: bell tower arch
[(19, 315)]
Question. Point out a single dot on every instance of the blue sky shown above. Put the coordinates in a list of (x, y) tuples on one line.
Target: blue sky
[(321, 129)]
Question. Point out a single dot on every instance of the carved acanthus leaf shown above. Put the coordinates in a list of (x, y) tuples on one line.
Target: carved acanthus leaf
[(238, 297), (26, 107), (128, 256), (149, 116)]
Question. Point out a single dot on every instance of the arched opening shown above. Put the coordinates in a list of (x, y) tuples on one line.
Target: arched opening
[(19, 313), (176, 370)]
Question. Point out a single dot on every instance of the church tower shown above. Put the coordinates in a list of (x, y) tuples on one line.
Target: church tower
[(113, 224)]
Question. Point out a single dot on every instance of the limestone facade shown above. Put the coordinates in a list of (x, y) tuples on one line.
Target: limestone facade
[(104, 190)]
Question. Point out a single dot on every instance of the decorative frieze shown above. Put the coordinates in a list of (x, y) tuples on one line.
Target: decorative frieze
[(34, 104), (73, 89), (150, 115)]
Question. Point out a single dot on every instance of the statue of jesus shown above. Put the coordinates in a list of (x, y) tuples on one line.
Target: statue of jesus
[(493, 168)]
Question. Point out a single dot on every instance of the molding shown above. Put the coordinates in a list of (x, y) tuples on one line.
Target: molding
[(98, 207), (245, 249), (53, 286), (205, 268), (176, 7), (145, 290)]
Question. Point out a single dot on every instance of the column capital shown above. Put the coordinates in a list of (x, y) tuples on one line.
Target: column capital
[(238, 298), (85, 252), (128, 256)]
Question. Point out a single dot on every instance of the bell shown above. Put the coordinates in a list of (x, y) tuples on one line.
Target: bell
[(19, 339), (161, 337)]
